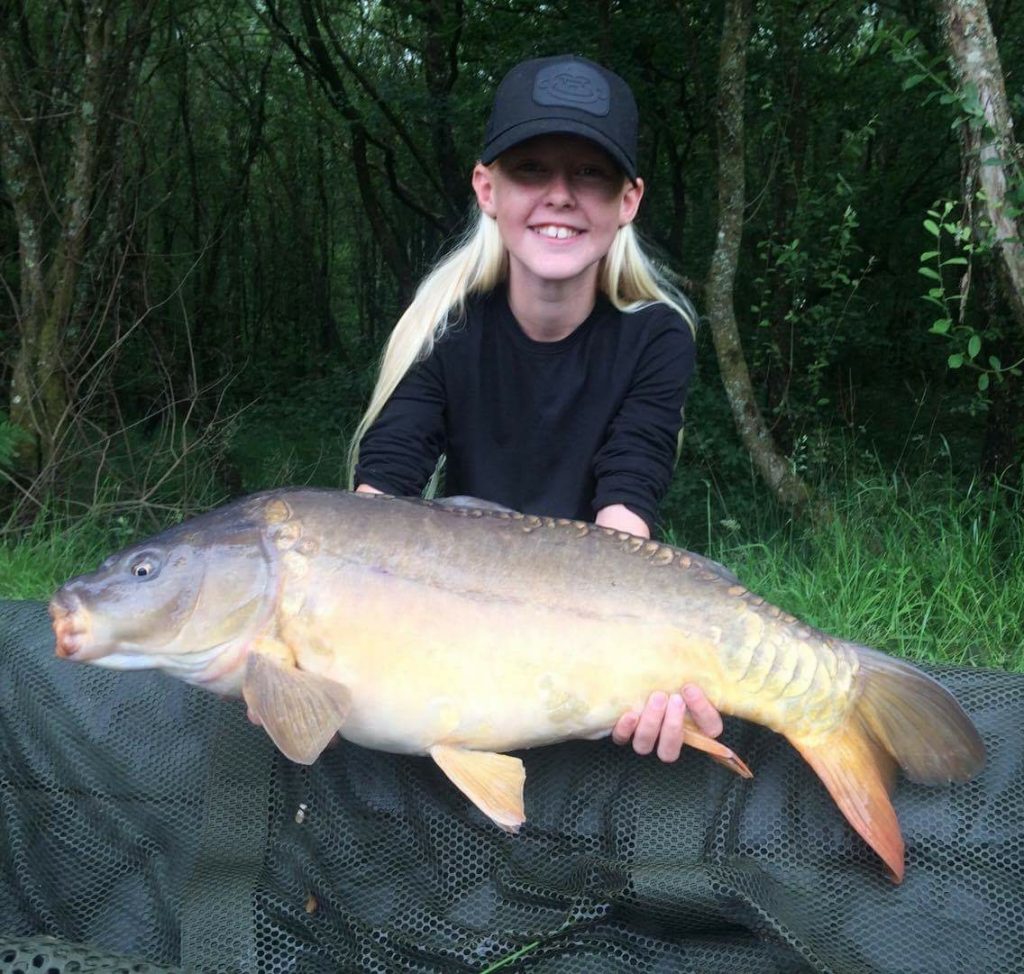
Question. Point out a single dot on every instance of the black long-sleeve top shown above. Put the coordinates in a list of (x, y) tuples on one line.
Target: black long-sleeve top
[(560, 428)]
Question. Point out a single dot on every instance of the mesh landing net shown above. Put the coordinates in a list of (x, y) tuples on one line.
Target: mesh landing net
[(148, 827)]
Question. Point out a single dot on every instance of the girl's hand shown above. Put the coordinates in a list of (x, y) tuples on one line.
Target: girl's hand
[(661, 722)]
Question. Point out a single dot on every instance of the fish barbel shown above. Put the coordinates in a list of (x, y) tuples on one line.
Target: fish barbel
[(461, 632)]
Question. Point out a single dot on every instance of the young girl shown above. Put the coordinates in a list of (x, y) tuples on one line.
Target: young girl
[(546, 357)]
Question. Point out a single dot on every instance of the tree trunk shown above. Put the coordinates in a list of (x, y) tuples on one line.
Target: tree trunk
[(55, 200), (440, 67), (994, 162), (330, 77), (788, 488)]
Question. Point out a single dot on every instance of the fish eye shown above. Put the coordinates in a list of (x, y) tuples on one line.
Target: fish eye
[(143, 568)]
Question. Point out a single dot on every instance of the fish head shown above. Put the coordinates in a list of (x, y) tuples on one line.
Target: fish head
[(184, 601)]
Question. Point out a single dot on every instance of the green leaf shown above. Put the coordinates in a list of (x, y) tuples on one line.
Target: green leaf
[(971, 101), (929, 255), (994, 362), (955, 360), (941, 326), (913, 81), (929, 272), (959, 261), (983, 382), (932, 227), (974, 346)]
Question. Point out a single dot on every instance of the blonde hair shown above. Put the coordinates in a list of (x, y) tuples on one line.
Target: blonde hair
[(479, 262)]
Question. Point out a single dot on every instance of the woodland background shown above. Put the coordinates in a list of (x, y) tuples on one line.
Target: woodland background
[(213, 211)]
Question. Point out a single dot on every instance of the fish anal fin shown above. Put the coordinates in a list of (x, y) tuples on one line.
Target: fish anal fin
[(859, 774), (725, 756), (492, 782), (301, 712)]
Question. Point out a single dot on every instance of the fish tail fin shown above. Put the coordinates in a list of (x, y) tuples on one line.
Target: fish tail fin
[(900, 716), (918, 721)]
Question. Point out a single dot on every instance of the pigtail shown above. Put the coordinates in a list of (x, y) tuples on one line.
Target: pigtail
[(632, 280), (476, 264)]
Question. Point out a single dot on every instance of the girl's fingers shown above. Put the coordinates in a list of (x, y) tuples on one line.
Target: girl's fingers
[(670, 740), (649, 726), (702, 712), (624, 727)]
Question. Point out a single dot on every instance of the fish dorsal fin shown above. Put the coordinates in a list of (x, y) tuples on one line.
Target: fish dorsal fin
[(462, 502), (301, 712), (709, 564), (492, 782)]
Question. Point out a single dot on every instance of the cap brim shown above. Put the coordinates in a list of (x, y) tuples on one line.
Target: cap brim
[(555, 126)]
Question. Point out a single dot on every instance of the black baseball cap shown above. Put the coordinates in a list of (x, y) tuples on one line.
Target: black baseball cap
[(564, 94)]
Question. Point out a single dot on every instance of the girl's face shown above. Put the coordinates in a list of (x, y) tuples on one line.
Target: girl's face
[(559, 201)]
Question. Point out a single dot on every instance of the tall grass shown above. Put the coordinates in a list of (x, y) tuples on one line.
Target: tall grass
[(56, 547), (925, 570)]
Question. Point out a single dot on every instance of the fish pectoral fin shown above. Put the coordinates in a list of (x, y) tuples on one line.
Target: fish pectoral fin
[(859, 775), (725, 756), (301, 712), (492, 782)]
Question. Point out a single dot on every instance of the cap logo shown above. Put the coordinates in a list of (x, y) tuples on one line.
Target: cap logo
[(572, 85)]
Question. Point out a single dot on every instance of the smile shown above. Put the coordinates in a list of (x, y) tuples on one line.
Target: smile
[(556, 233)]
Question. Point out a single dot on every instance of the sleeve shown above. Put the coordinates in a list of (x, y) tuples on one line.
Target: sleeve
[(634, 465), (400, 450)]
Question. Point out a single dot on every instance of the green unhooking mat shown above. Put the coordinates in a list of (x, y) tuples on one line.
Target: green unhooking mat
[(147, 826)]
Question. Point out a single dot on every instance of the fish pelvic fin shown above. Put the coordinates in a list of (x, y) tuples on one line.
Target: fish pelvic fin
[(725, 756), (900, 717), (492, 782), (301, 712)]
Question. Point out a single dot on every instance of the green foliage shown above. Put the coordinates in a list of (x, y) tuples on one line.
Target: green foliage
[(928, 569), (10, 437), (956, 247), (299, 435), (961, 244), (61, 543), (820, 279)]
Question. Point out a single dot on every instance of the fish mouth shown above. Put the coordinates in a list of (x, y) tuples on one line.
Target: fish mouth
[(71, 627)]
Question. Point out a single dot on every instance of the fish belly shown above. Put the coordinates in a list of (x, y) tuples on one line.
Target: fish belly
[(427, 666)]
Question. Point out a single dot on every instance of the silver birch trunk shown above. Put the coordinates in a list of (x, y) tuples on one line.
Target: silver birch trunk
[(773, 467), (993, 159)]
